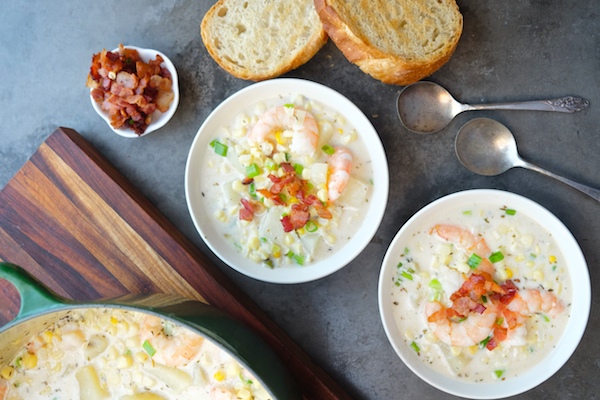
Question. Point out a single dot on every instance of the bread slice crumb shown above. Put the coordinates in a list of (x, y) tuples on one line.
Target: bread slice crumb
[(398, 42), (262, 39)]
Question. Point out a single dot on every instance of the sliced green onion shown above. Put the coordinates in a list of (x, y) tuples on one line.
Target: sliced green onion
[(484, 342), (287, 156), (252, 190), (288, 105), (270, 164), (252, 170), (327, 149), (546, 318), (311, 226), (496, 256), (298, 168), (246, 381), (467, 212), (484, 299), (406, 275), (474, 261), (220, 148), (399, 265), (298, 258), (510, 211), (148, 347), (283, 197), (415, 347), (435, 285), (499, 373), (499, 321), (269, 263)]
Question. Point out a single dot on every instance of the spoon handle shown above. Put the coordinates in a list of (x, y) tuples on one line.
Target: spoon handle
[(593, 193), (568, 104)]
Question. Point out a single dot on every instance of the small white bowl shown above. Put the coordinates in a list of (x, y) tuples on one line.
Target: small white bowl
[(159, 119), (222, 116), (579, 309)]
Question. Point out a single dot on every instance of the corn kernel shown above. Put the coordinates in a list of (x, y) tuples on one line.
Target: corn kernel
[(473, 349), (141, 356), (243, 394), (322, 195), (538, 275), (254, 243), (124, 361), (289, 239), (29, 360), (7, 372), (239, 132), (219, 375), (279, 137), (509, 273), (552, 259), (455, 350), (220, 216)]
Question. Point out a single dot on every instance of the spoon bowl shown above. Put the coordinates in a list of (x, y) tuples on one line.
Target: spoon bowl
[(426, 107), (486, 147)]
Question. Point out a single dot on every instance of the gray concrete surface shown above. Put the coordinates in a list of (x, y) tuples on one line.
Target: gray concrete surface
[(509, 51)]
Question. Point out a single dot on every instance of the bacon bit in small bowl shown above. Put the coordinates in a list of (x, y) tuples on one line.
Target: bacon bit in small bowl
[(127, 91)]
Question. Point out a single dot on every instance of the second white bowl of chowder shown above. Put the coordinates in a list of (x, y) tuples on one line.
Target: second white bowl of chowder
[(484, 294), (287, 181)]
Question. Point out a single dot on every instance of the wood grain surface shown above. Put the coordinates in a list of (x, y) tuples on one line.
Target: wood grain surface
[(80, 227)]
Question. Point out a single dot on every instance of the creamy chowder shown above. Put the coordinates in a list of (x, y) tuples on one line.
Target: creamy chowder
[(108, 353), (287, 182), (481, 293)]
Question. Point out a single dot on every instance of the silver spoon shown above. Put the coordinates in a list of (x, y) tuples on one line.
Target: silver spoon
[(426, 107), (488, 148)]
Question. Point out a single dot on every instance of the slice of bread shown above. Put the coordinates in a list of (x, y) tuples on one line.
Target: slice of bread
[(396, 41), (262, 39)]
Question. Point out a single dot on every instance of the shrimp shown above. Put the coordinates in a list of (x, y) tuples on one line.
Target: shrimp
[(531, 301), (174, 345), (340, 164), (303, 125), (3, 389), (222, 394), (465, 332), (469, 242)]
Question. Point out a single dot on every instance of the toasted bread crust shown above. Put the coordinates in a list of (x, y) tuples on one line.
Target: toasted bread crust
[(251, 55), (391, 65)]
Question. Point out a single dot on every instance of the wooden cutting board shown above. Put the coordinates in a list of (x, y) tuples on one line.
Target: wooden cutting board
[(80, 227)]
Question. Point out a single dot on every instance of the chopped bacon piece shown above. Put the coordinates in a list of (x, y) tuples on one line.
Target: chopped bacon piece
[(129, 89), (247, 211), (287, 224)]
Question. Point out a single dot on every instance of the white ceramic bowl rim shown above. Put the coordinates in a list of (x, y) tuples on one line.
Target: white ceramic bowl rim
[(222, 116), (158, 119), (580, 307)]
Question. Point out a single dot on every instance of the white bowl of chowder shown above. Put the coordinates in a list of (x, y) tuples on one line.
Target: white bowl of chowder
[(287, 181), (484, 294)]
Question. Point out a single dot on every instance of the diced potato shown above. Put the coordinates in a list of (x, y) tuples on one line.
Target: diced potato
[(89, 384), (177, 379)]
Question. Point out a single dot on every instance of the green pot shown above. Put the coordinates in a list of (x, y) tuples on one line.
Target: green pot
[(40, 307)]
